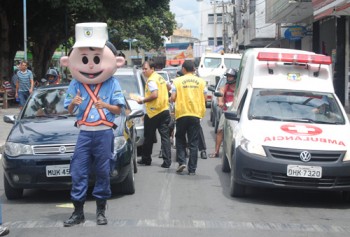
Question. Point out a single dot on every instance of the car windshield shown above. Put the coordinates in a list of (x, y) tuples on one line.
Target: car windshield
[(172, 72), (232, 62), (164, 75), (129, 85), (46, 103), (212, 62), (295, 106)]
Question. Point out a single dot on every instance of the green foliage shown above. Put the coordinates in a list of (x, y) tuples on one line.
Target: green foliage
[(51, 23)]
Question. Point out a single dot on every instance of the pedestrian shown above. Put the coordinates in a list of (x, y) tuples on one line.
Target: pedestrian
[(24, 84), (96, 96), (228, 94), (157, 115), (189, 95), (3, 229), (202, 146), (52, 77)]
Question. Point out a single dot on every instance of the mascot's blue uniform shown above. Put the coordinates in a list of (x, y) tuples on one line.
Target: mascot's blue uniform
[(91, 145)]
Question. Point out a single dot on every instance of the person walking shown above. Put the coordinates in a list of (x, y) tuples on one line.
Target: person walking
[(228, 94), (24, 84), (157, 115), (189, 95), (97, 97), (3, 229)]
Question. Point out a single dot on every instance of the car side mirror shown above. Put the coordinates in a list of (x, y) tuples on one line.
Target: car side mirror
[(135, 114), (218, 94), (211, 88)]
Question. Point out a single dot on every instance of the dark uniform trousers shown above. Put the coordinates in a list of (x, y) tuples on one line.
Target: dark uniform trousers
[(161, 122)]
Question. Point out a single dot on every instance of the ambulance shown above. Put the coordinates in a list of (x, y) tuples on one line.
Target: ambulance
[(286, 127), (213, 65)]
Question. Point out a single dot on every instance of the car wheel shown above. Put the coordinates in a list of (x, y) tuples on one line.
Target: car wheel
[(10, 192), (224, 162), (211, 115), (134, 157), (128, 184), (213, 122), (236, 189)]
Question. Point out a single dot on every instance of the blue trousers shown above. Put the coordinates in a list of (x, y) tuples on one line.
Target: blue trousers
[(93, 152)]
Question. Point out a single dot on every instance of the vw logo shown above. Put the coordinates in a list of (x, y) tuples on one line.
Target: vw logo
[(62, 149), (305, 156)]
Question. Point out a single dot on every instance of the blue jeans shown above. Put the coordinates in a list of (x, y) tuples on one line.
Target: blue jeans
[(187, 125), (23, 96)]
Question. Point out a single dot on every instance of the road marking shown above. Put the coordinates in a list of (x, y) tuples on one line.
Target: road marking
[(165, 197), (66, 205), (192, 224)]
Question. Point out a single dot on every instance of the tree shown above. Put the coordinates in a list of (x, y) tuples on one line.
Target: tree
[(50, 23)]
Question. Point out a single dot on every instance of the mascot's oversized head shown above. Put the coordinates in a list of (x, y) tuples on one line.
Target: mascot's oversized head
[(93, 58)]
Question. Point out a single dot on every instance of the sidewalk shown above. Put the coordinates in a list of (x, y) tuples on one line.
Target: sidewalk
[(6, 127)]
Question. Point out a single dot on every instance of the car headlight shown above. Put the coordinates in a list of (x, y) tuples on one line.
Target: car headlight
[(16, 149), (138, 121), (119, 143), (347, 156), (252, 147)]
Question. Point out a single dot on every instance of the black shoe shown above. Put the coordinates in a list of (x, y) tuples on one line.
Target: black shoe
[(204, 155), (75, 219), (164, 165), (100, 212), (142, 162), (4, 230)]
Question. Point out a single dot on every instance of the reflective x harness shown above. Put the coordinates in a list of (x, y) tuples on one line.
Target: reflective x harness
[(93, 99)]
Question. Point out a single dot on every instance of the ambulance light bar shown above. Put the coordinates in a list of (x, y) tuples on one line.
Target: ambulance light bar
[(295, 58)]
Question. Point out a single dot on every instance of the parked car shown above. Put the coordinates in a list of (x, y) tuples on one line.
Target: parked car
[(133, 83), (40, 145), (172, 71), (215, 110), (165, 75)]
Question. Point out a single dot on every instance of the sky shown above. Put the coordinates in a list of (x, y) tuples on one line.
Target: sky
[(187, 14)]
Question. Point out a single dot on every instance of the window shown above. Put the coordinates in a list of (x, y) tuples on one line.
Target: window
[(211, 41), (210, 18), (219, 18), (219, 41)]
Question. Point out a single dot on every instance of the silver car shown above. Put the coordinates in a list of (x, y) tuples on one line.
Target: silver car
[(133, 82), (215, 110)]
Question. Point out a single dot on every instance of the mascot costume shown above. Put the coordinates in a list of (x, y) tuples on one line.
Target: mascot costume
[(95, 96)]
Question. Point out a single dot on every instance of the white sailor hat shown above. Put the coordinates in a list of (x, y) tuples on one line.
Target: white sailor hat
[(90, 34)]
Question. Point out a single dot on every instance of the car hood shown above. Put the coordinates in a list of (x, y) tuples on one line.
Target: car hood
[(298, 135), (44, 131)]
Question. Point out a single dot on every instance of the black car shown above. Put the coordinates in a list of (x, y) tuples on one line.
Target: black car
[(40, 145)]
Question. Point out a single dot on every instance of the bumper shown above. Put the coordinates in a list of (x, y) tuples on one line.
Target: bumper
[(139, 135), (29, 172), (254, 170)]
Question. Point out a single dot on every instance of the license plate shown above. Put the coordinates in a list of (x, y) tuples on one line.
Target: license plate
[(304, 171), (57, 170)]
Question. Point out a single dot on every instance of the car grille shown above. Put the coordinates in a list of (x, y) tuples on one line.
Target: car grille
[(283, 179), (294, 154), (54, 149)]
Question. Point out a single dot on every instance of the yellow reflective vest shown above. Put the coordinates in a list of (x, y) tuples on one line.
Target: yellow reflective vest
[(160, 104), (190, 100)]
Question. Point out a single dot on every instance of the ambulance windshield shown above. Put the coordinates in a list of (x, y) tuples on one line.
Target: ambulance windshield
[(296, 106)]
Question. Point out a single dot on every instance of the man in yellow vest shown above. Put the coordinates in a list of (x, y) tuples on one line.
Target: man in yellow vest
[(189, 94), (157, 115)]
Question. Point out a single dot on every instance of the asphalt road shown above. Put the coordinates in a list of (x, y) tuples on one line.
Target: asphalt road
[(169, 204)]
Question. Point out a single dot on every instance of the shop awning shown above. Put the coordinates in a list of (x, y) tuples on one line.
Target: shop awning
[(326, 8)]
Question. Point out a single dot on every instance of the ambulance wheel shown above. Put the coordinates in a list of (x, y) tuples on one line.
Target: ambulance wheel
[(224, 162), (10, 192), (128, 184), (236, 189)]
